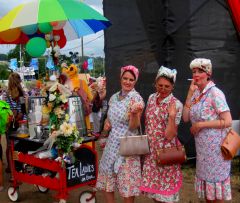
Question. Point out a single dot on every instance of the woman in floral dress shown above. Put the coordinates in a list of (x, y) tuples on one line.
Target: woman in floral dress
[(115, 171), (163, 114), (205, 107)]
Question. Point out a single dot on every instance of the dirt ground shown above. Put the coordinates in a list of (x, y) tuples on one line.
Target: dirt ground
[(30, 194)]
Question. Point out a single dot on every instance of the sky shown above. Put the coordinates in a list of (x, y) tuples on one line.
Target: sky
[(93, 44)]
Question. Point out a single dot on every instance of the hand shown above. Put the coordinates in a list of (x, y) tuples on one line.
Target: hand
[(172, 110), (192, 87), (196, 127), (136, 108), (107, 125)]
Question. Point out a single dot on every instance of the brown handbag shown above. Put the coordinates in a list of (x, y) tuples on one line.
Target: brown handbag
[(230, 144), (171, 155)]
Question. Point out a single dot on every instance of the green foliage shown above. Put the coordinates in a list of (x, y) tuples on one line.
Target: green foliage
[(4, 71), (14, 53), (3, 57)]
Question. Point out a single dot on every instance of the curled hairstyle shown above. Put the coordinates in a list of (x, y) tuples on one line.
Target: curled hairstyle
[(14, 86), (166, 77)]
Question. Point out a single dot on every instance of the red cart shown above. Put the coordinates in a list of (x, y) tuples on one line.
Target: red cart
[(49, 174)]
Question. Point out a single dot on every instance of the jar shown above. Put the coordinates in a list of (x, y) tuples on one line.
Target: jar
[(23, 131)]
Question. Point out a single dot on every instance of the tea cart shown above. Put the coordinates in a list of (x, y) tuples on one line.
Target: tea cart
[(49, 173)]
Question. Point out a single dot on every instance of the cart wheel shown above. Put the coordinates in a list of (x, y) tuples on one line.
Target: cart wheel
[(62, 201), (42, 189), (13, 196), (87, 197)]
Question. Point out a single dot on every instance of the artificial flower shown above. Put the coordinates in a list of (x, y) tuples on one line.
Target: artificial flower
[(54, 87), (59, 112), (46, 109), (52, 97), (66, 129), (64, 91), (63, 98), (67, 117)]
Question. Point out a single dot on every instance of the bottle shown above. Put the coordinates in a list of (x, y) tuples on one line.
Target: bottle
[(22, 131), (31, 124)]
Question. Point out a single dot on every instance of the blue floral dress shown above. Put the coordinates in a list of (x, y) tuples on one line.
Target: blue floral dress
[(212, 171), (115, 171)]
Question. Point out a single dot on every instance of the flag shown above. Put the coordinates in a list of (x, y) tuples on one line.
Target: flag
[(13, 64), (50, 64), (85, 65), (90, 64), (34, 63)]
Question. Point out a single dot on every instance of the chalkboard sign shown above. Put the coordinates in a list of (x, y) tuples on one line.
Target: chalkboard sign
[(84, 169)]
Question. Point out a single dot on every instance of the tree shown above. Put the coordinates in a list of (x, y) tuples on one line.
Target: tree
[(15, 53), (3, 57), (4, 71)]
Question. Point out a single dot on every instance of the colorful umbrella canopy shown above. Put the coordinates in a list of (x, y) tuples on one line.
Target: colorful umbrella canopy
[(77, 18)]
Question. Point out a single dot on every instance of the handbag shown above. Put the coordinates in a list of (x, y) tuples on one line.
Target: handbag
[(131, 145), (171, 155), (230, 144)]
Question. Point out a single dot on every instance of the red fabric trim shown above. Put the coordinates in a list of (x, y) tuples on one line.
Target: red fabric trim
[(234, 6)]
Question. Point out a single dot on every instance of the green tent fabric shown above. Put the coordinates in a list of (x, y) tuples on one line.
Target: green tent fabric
[(5, 112)]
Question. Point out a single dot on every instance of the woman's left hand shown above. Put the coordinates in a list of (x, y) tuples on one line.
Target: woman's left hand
[(196, 127), (172, 110)]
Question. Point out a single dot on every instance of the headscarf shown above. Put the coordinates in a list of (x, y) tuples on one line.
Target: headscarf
[(202, 63), (131, 68), (166, 72)]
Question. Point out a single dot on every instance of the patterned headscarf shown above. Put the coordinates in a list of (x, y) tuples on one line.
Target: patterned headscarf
[(202, 63), (166, 72), (131, 68)]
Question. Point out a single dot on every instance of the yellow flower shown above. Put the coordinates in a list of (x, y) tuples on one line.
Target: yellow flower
[(59, 112), (63, 98), (66, 129), (67, 117), (46, 109)]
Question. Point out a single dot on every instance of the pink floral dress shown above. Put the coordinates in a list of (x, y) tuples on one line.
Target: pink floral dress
[(212, 171), (160, 182)]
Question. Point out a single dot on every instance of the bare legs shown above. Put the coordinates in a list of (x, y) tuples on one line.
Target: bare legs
[(109, 197), (160, 202), (214, 201), (129, 199)]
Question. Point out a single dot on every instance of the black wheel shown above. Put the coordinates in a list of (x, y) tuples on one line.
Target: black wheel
[(42, 189), (87, 197), (13, 196)]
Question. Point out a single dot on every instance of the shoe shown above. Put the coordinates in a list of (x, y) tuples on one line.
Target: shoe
[(7, 170), (1, 188)]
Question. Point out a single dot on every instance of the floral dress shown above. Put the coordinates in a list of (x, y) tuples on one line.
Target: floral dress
[(212, 179), (115, 171), (160, 182)]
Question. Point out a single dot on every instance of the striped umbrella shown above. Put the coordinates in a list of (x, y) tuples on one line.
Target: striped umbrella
[(80, 19)]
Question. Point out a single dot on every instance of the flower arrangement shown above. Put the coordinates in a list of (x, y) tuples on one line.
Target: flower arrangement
[(63, 133)]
